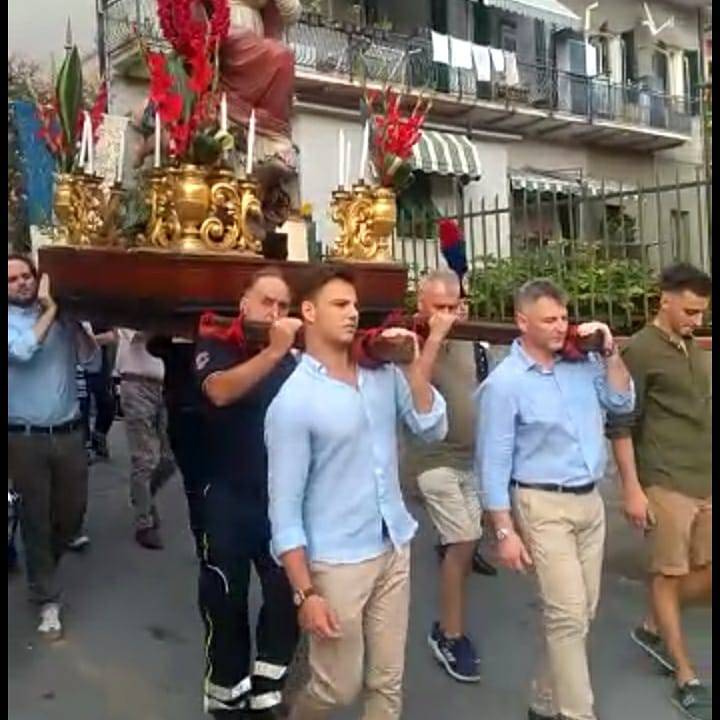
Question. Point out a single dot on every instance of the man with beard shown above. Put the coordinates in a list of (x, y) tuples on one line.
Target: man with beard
[(664, 456), (47, 462)]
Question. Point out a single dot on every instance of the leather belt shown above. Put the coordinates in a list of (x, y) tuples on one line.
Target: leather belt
[(62, 429), (565, 489)]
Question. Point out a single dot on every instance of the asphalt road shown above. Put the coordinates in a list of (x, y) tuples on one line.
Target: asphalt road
[(133, 647)]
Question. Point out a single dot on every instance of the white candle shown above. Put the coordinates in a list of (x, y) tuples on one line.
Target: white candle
[(341, 157), (91, 164), (121, 158), (347, 165), (158, 131), (223, 113), (83, 142), (365, 147), (251, 144)]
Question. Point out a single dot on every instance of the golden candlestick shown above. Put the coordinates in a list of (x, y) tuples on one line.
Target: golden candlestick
[(366, 216)]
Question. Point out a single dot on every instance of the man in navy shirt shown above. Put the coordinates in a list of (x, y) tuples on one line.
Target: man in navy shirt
[(239, 386)]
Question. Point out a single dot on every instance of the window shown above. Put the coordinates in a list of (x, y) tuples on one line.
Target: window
[(630, 58), (508, 37)]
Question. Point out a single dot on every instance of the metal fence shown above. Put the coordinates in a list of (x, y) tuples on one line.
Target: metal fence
[(604, 244), (366, 53)]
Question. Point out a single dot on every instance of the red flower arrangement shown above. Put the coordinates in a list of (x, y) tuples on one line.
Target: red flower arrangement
[(182, 83), (393, 135), (52, 133)]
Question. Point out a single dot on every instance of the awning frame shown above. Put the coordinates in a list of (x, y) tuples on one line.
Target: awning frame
[(550, 11)]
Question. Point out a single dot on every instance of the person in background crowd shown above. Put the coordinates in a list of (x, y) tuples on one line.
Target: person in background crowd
[(151, 459), (239, 385), (98, 376), (186, 423), (46, 456), (540, 450), (664, 456), (339, 523)]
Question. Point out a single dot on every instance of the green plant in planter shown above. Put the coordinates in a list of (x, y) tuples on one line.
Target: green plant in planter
[(592, 281)]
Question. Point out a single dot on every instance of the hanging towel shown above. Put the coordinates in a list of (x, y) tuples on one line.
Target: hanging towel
[(591, 60), (441, 49), (461, 54), (498, 59), (481, 56), (512, 76)]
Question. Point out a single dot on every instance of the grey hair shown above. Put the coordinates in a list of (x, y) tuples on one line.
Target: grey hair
[(533, 290), (443, 277)]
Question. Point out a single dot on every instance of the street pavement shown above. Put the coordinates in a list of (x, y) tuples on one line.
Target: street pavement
[(133, 647)]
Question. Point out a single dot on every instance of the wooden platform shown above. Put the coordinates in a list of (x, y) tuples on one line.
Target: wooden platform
[(166, 292)]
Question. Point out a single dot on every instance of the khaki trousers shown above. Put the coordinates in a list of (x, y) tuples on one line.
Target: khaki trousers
[(371, 600), (565, 535), (152, 462)]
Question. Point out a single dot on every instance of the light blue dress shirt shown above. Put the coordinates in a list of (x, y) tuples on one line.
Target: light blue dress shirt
[(42, 387), (542, 426), (333, 466)]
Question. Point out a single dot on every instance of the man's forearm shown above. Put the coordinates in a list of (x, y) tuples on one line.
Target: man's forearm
[(44, 323), (501, 519), (618, 376), (625, 459), (296, 568), (228, 386), (428, 357), (420, 389)]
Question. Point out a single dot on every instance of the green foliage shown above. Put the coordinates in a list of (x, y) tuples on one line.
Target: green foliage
[(69, 93), (610, 289)]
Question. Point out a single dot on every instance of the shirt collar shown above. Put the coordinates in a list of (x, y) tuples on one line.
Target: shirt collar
[(519, 352), (313, 364), (681, 346), (29, 311)]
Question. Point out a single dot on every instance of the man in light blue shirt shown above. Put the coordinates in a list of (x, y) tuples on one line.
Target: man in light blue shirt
[(540, 450), (339, 523), (47, 463)]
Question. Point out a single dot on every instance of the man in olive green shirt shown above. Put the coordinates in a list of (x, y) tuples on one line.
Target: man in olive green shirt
[(663, 453)]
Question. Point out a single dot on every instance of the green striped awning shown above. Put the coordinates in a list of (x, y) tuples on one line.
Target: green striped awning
[(549, 11), (446, 154)]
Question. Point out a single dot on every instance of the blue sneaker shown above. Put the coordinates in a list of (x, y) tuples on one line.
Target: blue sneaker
[(456, 655)]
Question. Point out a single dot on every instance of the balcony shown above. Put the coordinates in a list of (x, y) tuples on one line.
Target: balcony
[(334, 61)]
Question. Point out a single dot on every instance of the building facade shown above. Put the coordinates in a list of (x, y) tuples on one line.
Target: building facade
[(573, 113)]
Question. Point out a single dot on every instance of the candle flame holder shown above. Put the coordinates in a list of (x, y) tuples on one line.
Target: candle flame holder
[(366, 216)]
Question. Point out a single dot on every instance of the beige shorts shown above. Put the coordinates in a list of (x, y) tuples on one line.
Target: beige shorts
[(453, 504), (681, 537)]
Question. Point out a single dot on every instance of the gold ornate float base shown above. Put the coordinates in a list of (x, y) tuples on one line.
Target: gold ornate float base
[(366, 216), (198, 210)]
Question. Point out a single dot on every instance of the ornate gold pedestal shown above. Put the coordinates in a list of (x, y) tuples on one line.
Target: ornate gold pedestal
[(86, 211), (200, 210), (366, 216)]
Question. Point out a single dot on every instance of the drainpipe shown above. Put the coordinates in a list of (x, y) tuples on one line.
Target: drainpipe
[(100, 18), (707, 160)]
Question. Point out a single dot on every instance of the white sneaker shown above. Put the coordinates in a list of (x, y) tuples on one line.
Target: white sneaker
[(50, 627), (79, 543)]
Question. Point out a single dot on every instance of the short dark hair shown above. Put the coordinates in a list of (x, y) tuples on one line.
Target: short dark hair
[(534, 290), (679, 277), (24, 259), (322, 276)]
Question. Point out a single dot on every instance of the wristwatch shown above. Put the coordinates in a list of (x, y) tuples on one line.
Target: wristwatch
[(300, 596), (502, 534)]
